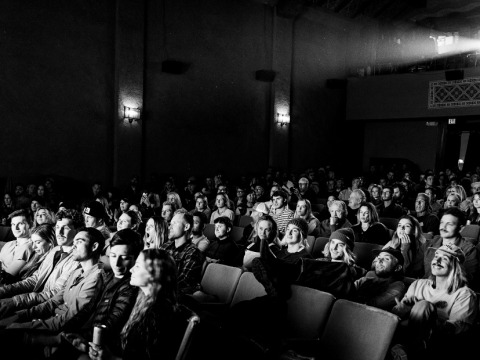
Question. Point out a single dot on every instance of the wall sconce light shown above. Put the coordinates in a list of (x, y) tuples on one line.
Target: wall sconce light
[(131, 114), (282, 119)]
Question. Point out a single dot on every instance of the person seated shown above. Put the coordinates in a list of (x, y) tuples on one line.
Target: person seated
[(15, 254), (338, 218), (156, 315), (375, 192), (249, 231), (43, 215), (174, 198), (294, 241), (198, 238), (43, 240), (79, 289), (304, 191), (156, 233), (389, 209), (265, 229), (95, 216), (409, 239), (356, 198), (129, 220), (188, 258), (240, 201), (280, 211), (438, 309), (384, 283), (304, 211), (111, 305), (222, 202), (451, 223), (369, 229), (201, 205), (474, 217), (436, 205), (168, 209), (223, 249), (122, 207), (423, 212)]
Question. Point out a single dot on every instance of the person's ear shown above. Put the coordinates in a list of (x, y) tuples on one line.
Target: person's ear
[(398, 268), (95, 246), (229, 230)]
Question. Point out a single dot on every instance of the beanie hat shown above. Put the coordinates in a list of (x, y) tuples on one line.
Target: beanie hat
[(95, 209), (346, 235), (301, 224)]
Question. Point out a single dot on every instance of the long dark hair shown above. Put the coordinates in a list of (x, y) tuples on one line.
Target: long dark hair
[(163, 290)]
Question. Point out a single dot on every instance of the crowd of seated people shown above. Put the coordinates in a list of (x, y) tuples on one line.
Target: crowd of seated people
[(66, 252)]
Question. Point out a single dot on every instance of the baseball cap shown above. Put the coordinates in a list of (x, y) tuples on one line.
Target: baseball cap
[(95, 209), (452, 250), (392, 251), (261, 207)]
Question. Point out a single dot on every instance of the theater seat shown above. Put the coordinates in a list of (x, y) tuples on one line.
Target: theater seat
[(319, 245), (183, 352), (209, 231), (244, 220), (471, 231), (357, 331), (248, 288), (363, 252), (390, 223)]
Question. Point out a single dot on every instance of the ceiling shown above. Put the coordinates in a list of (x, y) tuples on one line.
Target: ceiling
[(438, 15)]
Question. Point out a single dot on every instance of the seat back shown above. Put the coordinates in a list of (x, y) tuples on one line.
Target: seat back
[(248, 288), (221, 280), (244, 220), (471, 231), (357, 331), (6, 233), (308, 311), (390, 223), (191, 329), (209, 231), (363, 252), (310, 243), (318, 207), (237, 233), (428, 236), (319, 245)]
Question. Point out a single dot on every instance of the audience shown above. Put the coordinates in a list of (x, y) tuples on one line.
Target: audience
[(369, 229)]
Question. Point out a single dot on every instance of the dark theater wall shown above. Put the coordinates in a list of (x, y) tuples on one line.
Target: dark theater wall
[(56, 93)]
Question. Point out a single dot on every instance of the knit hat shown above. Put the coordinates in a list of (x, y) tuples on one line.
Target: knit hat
[(346, 235), (301, 224), (95, 209), (452, 250), (392, 251)]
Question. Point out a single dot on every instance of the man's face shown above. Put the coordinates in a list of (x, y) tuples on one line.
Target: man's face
[(124, 205), (292, 234), (386, 195), (476, 201), (90, 221), (7, 200), (302, 186), (355, 183), (20, 226), (177, 227), (200, 204), (240, 193), (278, 202), (385, 264), (124, 222), (197, 223), (336, 212), (167, 212), (475, 188), (430, 194), (397, 194), (429, 180), (221, 231), (264, 229), (390, 175), (354, 201), (32, 188), (41, 190), (96, 188), (121, 260), (420, 205), (382, 182), (337, 248), (220, 202), (449, 227), (18, 190), (82, 249), (442, 264), (171, 198), (65, 232), (259, 191)]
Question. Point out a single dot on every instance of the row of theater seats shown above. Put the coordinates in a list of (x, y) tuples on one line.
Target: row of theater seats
[(316, 321)]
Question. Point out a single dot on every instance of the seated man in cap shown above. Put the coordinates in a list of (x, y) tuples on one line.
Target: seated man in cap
[(381, 285), (95, 215), (438, 308)]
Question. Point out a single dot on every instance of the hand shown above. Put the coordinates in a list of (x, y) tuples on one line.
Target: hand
[(76, 340), (333, 220), (99, 352), (404, 239), (402, 309), (7, 307)]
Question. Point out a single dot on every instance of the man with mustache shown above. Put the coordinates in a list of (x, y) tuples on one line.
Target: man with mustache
[(438, 309), (451, 223)]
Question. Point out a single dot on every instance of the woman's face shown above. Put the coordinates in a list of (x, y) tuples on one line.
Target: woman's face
[(220, 202), (34, 205), (40, 246), (149, 233), (41, 190), (476, 201), (7, 200), (365, 215), (200, 204), (140, 275), (405, 227), (41, 216), (124, 222), (171, 198), (301, 208), (451, 201), (375, 192)]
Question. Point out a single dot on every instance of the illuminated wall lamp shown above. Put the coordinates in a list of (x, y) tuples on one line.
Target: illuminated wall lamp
[(282, 119), (131, 114)]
